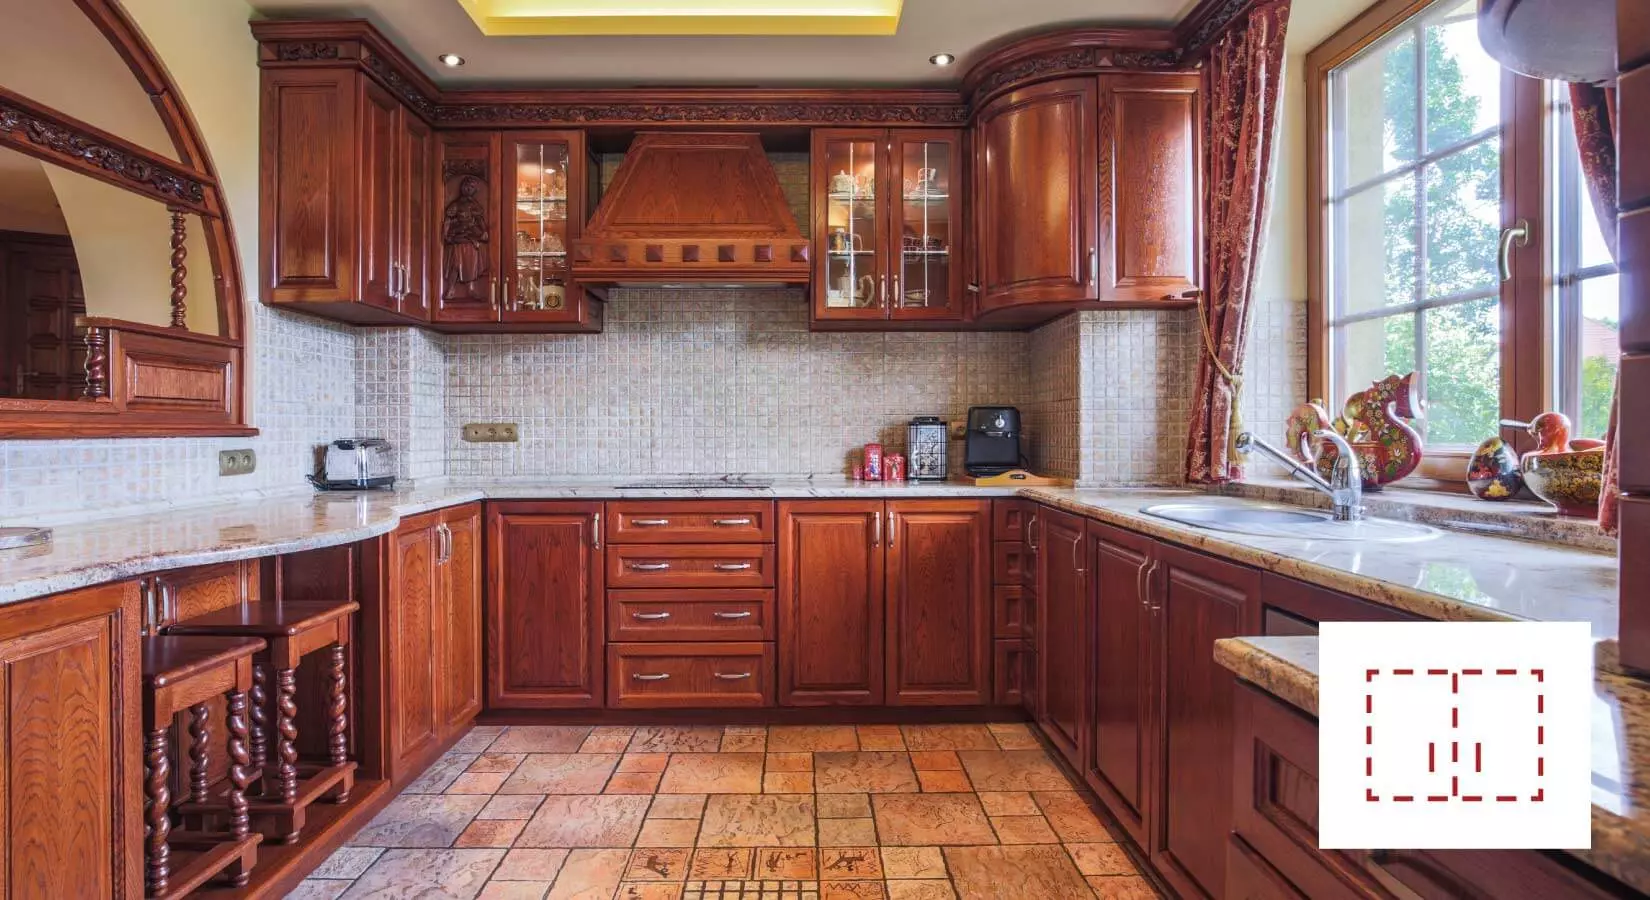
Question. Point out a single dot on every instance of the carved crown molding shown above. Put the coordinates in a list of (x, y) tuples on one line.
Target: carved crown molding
[(1205, 22), (1069, 53), (301, 51), (799, 113), (45, 134)]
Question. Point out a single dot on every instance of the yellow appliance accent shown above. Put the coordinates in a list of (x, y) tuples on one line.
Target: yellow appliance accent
[(683, 17)]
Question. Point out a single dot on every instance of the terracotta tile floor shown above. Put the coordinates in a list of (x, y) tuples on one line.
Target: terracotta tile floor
[(832, 812)]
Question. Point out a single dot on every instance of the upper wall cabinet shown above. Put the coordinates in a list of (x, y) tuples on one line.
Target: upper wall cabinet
[(1086, 195), (345, 181), (888, 226)]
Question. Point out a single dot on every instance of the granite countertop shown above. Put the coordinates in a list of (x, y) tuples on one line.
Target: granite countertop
[(1454, 576), (1287, 667)]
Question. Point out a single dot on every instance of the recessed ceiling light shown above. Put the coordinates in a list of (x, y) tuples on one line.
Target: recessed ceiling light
[(451, 60), (942, 59)]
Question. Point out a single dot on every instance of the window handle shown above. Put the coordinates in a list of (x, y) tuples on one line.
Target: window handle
[(1519, 233)]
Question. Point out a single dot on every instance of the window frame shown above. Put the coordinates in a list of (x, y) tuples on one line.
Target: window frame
[(1526, 320)]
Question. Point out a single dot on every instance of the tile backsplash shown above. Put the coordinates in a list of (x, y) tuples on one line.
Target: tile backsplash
[(712, 381)]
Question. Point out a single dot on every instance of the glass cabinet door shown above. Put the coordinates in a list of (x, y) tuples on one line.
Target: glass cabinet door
[(929, 225), (544, 210), (849, 176)]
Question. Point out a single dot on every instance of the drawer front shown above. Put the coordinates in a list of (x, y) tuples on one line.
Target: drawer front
[(690, 566), (690, 522), (657, 676), (1008, 519), (1009, 614), (1009, 563), (1009, 670), (740, 614)]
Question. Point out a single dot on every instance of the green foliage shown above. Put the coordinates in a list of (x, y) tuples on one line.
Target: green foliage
[(1462, 370), (1598, 385)]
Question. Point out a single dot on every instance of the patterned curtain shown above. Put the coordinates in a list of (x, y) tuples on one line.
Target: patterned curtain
[(1242, 80), (1594, 111)]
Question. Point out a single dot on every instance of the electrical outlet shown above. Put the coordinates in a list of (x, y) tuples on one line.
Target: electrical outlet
[(237, 462), (491, 433)]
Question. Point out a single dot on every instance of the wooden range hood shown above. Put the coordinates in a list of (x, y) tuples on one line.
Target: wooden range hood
[(690, 207)]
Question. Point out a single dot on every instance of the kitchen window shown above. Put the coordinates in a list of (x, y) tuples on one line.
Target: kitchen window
[(1452, 234)]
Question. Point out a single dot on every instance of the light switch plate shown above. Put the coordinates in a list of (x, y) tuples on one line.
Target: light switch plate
[(237, 462), (491, 433)]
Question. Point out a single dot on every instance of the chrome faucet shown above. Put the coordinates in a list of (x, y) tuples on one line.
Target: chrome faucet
[(1345, 486)]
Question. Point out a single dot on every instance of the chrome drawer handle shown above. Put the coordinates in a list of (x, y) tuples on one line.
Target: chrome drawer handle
[(650, 616), (640, 677), (729, 523), (732, 676), (649, 567), (650, 522), (732, 615), (730, 567)]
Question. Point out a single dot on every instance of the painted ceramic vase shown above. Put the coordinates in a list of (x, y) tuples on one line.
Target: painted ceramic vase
[(1561, 473), (1493, 472), (1373, 422)]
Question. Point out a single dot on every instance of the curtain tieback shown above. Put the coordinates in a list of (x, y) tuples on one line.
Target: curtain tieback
[(1235, 424)]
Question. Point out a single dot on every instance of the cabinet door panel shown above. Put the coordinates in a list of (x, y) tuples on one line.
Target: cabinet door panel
[(307, 239), (415, 585), (939, 602), (1062, 634), (465, 255), (544, 187), (1119, 764), (1198, 600), (1150, 232), (925, 238), (1035, 194), (830, 603), (850, 210), (71, 745), (413, 247), (459, 675), (544, 605), (380, 182)]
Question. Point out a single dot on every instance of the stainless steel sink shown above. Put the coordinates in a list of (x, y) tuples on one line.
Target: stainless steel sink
[(1269, 520)]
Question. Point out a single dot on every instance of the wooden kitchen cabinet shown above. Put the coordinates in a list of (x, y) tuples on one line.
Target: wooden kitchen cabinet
[(545, 190), (72, 745), (939, 599), (1063, 642), (344, 182), (544, 605), (1119, 763), (432, 619), (1034, 195), (1087, 193), (888, 225), (830, 602)]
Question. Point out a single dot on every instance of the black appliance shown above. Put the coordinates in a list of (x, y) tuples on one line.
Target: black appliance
[(992, 445)]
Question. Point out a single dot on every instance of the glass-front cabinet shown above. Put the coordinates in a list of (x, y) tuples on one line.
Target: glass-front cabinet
[(544, 208), (883, 209)]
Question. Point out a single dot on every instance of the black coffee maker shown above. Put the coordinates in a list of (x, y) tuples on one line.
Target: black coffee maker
[(992, 445)]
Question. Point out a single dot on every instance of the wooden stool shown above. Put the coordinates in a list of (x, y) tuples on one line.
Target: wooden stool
[(184, 673), (293, 630)]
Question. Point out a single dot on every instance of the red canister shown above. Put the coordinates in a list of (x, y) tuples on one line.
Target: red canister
[(893, 468), (873, 462)]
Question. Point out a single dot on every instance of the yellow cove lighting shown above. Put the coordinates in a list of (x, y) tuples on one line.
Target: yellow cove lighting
[(682, 17)]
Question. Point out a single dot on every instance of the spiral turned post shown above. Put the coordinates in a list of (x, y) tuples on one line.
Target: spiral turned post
[(180, 272), (157, 822)]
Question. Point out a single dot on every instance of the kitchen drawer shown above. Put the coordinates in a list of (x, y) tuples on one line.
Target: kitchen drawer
[(655, 676), (690, 565), (1009, 562), (690, 522), (1009, 519), (1010, 667), (1009, 616), (739, 614)]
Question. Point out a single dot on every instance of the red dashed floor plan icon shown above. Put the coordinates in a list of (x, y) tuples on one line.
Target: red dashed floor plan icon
[(1438, 735)]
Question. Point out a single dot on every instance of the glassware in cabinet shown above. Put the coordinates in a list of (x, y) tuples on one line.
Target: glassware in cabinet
[(545, 210), (849, 223), (927, 220)]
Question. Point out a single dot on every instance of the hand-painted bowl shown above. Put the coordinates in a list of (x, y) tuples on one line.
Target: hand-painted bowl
[(1570, 481)]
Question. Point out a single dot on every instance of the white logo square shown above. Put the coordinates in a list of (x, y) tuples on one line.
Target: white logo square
[(1454, 735)]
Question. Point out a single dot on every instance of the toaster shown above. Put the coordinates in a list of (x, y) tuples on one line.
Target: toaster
[(357, 464)]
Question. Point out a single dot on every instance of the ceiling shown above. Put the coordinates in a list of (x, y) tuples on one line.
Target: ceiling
[(426, 29)]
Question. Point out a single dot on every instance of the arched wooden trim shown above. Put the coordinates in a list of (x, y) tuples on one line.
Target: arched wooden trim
[(114, 407)]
